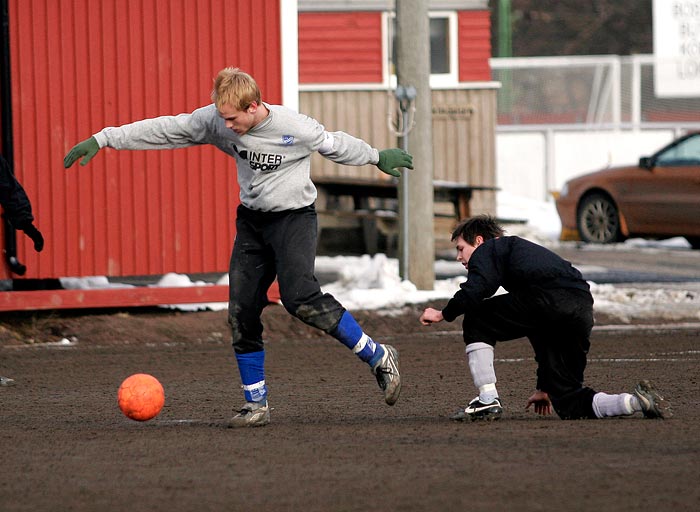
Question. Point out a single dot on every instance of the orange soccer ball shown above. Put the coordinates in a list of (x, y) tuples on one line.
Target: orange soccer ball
[(141, 397)]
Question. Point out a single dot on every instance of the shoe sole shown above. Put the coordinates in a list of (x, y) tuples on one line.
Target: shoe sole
[(252, 423), (489, 416), (248, 425)]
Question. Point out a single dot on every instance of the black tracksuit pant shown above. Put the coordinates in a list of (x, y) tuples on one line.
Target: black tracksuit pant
[(558, 323), (281, 245)]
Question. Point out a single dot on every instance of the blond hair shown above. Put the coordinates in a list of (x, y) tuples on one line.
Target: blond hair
[(236, 88)]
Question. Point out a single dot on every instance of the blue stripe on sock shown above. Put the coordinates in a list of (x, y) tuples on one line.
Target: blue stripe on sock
[(251, 366), (348, 331)]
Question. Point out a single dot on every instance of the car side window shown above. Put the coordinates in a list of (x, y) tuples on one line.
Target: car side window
[(685, 153)]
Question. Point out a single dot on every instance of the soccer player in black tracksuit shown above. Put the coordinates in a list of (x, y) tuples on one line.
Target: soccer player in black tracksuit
[(18, 210), (550, 303)]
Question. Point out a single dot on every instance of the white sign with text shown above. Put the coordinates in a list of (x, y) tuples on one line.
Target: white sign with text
[(677, 48)]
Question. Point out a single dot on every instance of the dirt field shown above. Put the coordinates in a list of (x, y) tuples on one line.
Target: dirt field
[(333, 444)]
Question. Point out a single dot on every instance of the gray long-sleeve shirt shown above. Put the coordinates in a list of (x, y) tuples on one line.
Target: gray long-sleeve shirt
[(273, 158)]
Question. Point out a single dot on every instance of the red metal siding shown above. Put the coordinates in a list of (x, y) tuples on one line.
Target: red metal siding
[(80, 65), (474, 34), (340, 47)]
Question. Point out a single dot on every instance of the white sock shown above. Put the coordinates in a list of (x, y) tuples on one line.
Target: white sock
[(624, 404), (480, 357)]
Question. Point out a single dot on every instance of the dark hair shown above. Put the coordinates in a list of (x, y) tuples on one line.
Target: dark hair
[(483, 225)]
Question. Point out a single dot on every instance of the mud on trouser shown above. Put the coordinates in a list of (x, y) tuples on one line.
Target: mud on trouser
[(282, 245)]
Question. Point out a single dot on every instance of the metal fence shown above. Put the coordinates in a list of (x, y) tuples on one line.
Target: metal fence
[(558, 117), (603, 90)]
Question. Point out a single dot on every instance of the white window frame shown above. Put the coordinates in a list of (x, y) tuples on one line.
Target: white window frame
[(437, 80)]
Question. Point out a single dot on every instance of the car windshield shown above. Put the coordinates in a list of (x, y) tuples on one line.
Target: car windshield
[(685, 153)]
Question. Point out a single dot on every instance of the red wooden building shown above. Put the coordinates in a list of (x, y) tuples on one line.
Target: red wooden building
[(348, 41), (76, 66)]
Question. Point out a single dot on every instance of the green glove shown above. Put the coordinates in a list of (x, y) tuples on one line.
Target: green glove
[(88, 148), (390, 159)]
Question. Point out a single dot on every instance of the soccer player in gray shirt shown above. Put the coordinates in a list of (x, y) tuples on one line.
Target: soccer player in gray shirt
[(276, 221)]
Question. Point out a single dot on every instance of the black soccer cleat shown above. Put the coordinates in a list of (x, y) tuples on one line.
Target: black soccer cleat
[(477, 410)]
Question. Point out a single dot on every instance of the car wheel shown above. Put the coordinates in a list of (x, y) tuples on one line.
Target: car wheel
[(694, 241), (599, 220)]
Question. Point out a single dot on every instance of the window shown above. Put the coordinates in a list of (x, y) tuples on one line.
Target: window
[(443, 48), (684, 153), (439, 45)]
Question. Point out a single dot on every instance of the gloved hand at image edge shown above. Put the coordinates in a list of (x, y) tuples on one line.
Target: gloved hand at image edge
[(390, 159), (87, 148), (32, 232)]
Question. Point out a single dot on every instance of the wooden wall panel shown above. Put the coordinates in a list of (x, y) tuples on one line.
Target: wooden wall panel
[(464, 124)]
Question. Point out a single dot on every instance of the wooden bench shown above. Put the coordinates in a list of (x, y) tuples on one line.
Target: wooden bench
[(373, 203)]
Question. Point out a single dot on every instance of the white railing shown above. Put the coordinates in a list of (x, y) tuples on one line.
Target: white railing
[(559, 117)]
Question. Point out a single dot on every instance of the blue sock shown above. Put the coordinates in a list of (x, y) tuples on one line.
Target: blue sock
[(350, 334), (252, 369)]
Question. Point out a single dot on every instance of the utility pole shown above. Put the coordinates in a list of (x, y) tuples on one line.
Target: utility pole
[(505, 29), (416, 236), (505, 49)]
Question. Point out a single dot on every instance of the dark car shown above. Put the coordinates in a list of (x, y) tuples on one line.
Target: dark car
[(658, 198)]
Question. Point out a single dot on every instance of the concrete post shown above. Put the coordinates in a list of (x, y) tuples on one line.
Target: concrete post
[(413, 69)]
